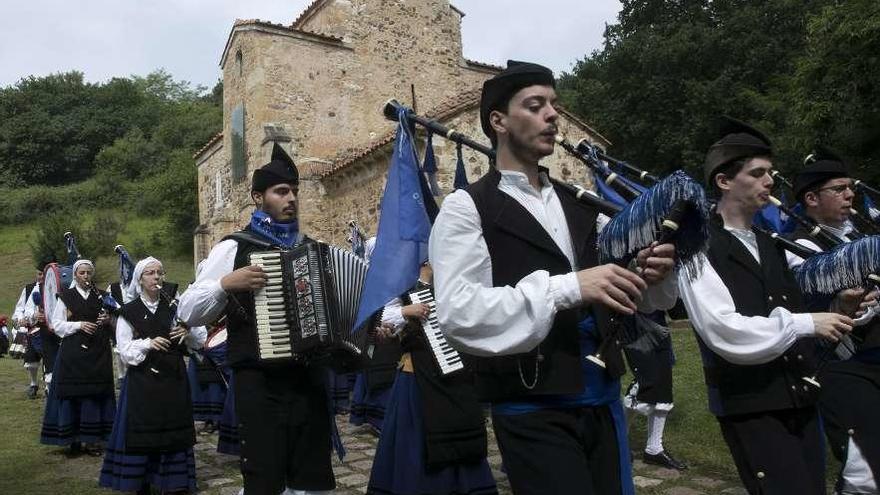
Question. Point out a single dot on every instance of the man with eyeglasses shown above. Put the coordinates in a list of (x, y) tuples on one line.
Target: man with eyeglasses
[(850, 396), (825, 190)]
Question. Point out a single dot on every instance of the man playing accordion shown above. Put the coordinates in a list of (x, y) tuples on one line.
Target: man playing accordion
[(284, 419)]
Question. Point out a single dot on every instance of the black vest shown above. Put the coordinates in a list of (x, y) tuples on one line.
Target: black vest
[(518, 246), (159, 414), (85, 367), (756, 290)]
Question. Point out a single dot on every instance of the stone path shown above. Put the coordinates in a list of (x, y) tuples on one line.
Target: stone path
[(218, 474)]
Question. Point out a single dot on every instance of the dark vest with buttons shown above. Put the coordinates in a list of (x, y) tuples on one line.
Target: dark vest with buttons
[(756, 290), (518, 245), (86, 366)]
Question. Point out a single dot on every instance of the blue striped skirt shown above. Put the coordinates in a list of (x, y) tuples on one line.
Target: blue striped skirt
[(87, 419), (227, 426), (399, 466), (368, 406), (122, 471), (207, 398)]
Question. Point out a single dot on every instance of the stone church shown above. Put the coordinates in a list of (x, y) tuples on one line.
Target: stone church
[(317, 87)]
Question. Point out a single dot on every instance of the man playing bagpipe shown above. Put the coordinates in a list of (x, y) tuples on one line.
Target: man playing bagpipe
[(27, 315), (519, 288), (283, 411), (433, 438), (849, 397), (755, 338), (81, 405)]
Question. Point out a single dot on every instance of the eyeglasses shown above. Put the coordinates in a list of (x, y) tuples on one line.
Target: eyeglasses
[(837, 190), (150, 273)]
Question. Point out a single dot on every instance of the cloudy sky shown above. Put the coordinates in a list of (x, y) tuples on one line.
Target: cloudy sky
[(106, 38)]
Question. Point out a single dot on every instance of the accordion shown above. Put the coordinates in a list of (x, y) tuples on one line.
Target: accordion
[(308, 307), (447, 359)]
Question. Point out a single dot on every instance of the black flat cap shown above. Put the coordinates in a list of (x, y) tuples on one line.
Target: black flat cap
[(498, 90), (736, 140), (821, 166)]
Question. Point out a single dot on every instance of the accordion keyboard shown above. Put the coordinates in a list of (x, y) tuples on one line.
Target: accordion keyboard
[(447, 358), (273, 328)]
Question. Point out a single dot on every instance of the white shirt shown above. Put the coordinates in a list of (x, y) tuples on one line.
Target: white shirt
[(133, 351), (204, 300), (486, 320), (18, 316), (745, 340)]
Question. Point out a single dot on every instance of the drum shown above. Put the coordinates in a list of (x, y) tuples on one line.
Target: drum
[(215, 347)]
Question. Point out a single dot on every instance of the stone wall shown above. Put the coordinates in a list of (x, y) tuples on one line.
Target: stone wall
[(324, 81)]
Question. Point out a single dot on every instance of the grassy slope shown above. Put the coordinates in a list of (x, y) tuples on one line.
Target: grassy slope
[(18, 268)]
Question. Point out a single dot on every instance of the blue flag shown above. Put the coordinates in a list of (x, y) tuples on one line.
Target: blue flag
[(404, 227), (358, 239), (871, 208), (72, 251), (461, 180), (772, 218), (126, 267), (430, 165)]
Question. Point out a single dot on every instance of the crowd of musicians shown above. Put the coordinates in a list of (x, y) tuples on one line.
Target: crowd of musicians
[(524, 318)]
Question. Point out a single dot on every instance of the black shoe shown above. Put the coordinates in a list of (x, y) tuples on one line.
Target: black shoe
[(663, 459), (32, 392)]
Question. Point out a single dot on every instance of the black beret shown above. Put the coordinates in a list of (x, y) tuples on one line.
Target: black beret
[(737, 140), (822, 165), (498, 90), (279, 170)]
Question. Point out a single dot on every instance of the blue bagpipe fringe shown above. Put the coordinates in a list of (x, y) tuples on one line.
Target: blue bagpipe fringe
[(399, 464), (86, 419), (208, 398), (168, 471), (368, 406), (227, 426)]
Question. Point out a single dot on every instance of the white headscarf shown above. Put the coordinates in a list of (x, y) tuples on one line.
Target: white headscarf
[(134, 289), (77, 264)]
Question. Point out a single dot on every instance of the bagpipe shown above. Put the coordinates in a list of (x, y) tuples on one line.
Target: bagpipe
[(843, 265), (673, 209)]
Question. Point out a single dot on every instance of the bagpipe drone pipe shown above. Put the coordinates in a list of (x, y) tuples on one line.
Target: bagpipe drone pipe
[(674, 210)]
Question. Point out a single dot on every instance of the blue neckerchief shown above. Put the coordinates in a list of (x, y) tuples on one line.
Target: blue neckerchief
[(283, 234)]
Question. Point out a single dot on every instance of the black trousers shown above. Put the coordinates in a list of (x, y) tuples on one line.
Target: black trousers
[(284, 429), (560, 451), (777, 452)]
